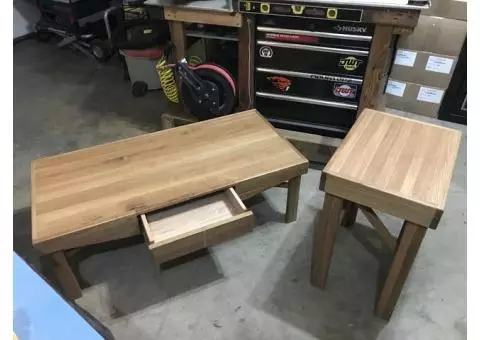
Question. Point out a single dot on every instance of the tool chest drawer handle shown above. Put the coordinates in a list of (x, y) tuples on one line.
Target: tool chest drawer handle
[(315, 34), (313, 48), (308, 125), (307, 100), (315, 76)]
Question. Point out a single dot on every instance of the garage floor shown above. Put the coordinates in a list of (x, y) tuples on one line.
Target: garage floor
[(254, 287)]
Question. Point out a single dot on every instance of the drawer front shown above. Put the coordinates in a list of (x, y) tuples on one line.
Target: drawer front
[(328, 26), (227, 230), (299, 114), (317, 38), (200, 223), (179, 248), (317, 86), (311, 59)]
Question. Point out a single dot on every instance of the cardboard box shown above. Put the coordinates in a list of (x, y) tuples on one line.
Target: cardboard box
[(423, 68), (436, 35), (450, 9), (416, 98)]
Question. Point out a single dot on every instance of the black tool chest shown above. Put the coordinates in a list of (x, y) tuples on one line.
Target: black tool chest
[(309, 71)]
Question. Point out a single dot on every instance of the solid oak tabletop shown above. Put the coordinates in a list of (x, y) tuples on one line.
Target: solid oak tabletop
[(90, 187), (398, 156)]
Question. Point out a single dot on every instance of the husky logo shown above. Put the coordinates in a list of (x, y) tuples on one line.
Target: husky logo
[(350, 29), (349, 63)]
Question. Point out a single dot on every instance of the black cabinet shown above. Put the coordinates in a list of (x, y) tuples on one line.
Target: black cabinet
[(309, 72), (454, 105)]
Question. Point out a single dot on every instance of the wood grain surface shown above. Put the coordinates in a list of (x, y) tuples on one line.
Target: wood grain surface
[(90, 187), (203, 17), (409, 242), (394, 18), (324, 239), (171, 224), (375, 66), (246, 55), (395, 164)]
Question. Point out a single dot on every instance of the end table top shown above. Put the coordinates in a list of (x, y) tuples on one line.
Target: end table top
[(398, 156)]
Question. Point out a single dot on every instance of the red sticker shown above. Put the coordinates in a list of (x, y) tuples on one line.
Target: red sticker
[(281, 83), (292, 38)]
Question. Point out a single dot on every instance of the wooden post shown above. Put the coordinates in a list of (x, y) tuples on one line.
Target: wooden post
[(408, 245), (65, 277), (376, 62), (324, 238), (246, 55), (292, 199), (177, 32)]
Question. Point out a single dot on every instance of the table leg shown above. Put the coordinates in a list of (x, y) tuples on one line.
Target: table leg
[(292, 199), (350, 214), (324, 238), (65, 277), (408, 244)]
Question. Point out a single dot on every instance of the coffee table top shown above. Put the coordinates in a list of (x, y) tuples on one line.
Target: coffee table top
[(397, 156), (89, 187)]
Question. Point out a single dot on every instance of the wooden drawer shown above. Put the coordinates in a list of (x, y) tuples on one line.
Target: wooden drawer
[(200, 223)]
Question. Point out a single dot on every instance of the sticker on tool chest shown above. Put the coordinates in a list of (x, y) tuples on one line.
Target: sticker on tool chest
[(281, 83), (295, 38), (349, 63), (266, 52), (345, 90), (349, 29)]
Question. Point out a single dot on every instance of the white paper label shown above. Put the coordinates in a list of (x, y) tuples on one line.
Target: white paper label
[(395, 88), (427, 94), (439, 64), (405, 58)]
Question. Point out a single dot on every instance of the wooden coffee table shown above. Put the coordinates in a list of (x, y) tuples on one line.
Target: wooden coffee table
[(98, 194)]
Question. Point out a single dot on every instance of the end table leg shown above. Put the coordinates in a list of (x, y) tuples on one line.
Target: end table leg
[(350, 214), (324, 238), (292, 199), (407, 248), (65, 276)]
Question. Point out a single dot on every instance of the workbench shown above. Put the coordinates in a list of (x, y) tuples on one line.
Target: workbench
[(383, 20), (185, 185)]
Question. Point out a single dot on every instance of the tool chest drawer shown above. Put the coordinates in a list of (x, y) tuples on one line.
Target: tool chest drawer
[(306, 114), (311, 37), (197, 224), (317, 86), (311, 58), (330, 26)]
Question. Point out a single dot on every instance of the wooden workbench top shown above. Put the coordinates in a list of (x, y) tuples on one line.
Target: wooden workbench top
[(87, 188)]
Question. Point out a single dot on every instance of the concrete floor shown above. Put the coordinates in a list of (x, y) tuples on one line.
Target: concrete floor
[(253, 287)]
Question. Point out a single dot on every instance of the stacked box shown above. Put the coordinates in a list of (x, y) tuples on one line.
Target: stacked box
[(425, 60)]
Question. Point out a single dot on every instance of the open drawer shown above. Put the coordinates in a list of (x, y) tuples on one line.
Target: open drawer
[(196, 224)]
